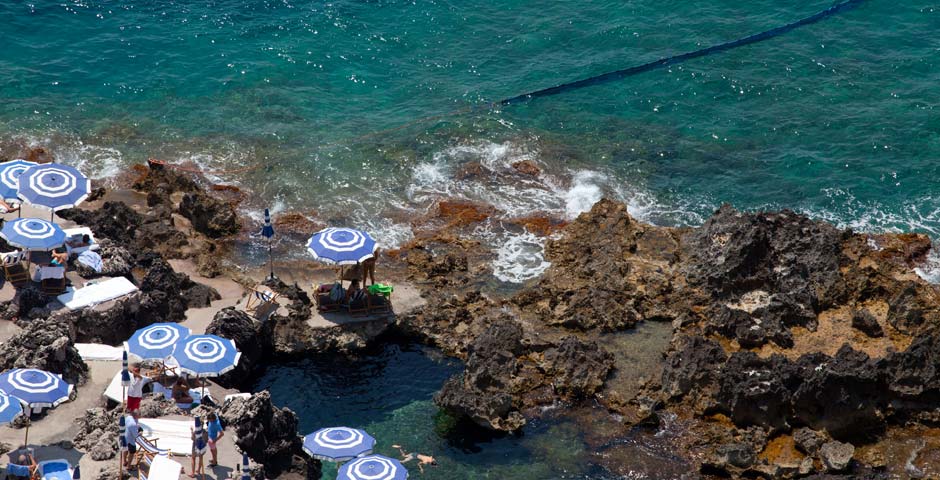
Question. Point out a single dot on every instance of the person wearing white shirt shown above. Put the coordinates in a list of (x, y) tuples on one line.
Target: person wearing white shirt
[(136, 391)]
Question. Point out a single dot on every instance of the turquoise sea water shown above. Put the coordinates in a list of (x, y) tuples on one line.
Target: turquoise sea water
[(836, 119)]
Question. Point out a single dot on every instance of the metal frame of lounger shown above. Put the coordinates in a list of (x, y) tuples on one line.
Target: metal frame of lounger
[(146, 450), (359, 306), (385, 306), (258, 298), (13, 268), (323, 307)]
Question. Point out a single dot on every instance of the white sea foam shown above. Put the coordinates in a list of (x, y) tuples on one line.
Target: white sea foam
[(95, 161), (387, 233), (846, 211), (560, 193), (519, 255), (585, 191), (929, 270)]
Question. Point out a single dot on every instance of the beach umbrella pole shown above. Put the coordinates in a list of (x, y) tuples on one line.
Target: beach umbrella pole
[(271, 259), (122, 453), (29, 413)]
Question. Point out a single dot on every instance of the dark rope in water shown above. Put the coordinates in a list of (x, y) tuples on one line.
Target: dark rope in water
[(664, 62), (619, 74)]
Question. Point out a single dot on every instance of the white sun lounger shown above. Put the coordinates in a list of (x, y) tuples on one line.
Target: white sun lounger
[(98, 293), (172, 435), (162, 468), (115, 391), (97, 351), (76, 233)]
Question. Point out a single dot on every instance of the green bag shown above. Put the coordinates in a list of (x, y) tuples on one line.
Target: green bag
[(381, 289)]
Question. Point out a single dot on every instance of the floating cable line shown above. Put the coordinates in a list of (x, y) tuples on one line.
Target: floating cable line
[(620, 74)]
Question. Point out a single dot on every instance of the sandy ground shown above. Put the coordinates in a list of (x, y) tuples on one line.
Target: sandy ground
[(197, 319)]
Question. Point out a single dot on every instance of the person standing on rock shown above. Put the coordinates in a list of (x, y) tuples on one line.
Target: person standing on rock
[(136, 391), (368, 268), (200, 442), (131, 431), (214, 428)]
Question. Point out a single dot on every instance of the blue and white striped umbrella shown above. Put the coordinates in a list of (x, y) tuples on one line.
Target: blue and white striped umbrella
[(53, 186), (122, 431), (33, 234), (267, 231), (206, 355), (9, 178), (246, 475), (341, 246), (199, 444), (10, 408), (373, 467), (35, 388), (156, 342), (338, 444), (125, 375)]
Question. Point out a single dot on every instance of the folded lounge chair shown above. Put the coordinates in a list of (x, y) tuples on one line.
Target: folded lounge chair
[(147, 450), (59, 469), (259, 299)]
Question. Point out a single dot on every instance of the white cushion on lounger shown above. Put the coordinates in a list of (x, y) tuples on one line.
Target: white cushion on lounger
[(162, 468), (115, 391), (98, 293), (172, 435), (97, 351)]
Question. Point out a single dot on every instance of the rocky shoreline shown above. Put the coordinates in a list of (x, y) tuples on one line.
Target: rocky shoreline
[(796, 348)]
